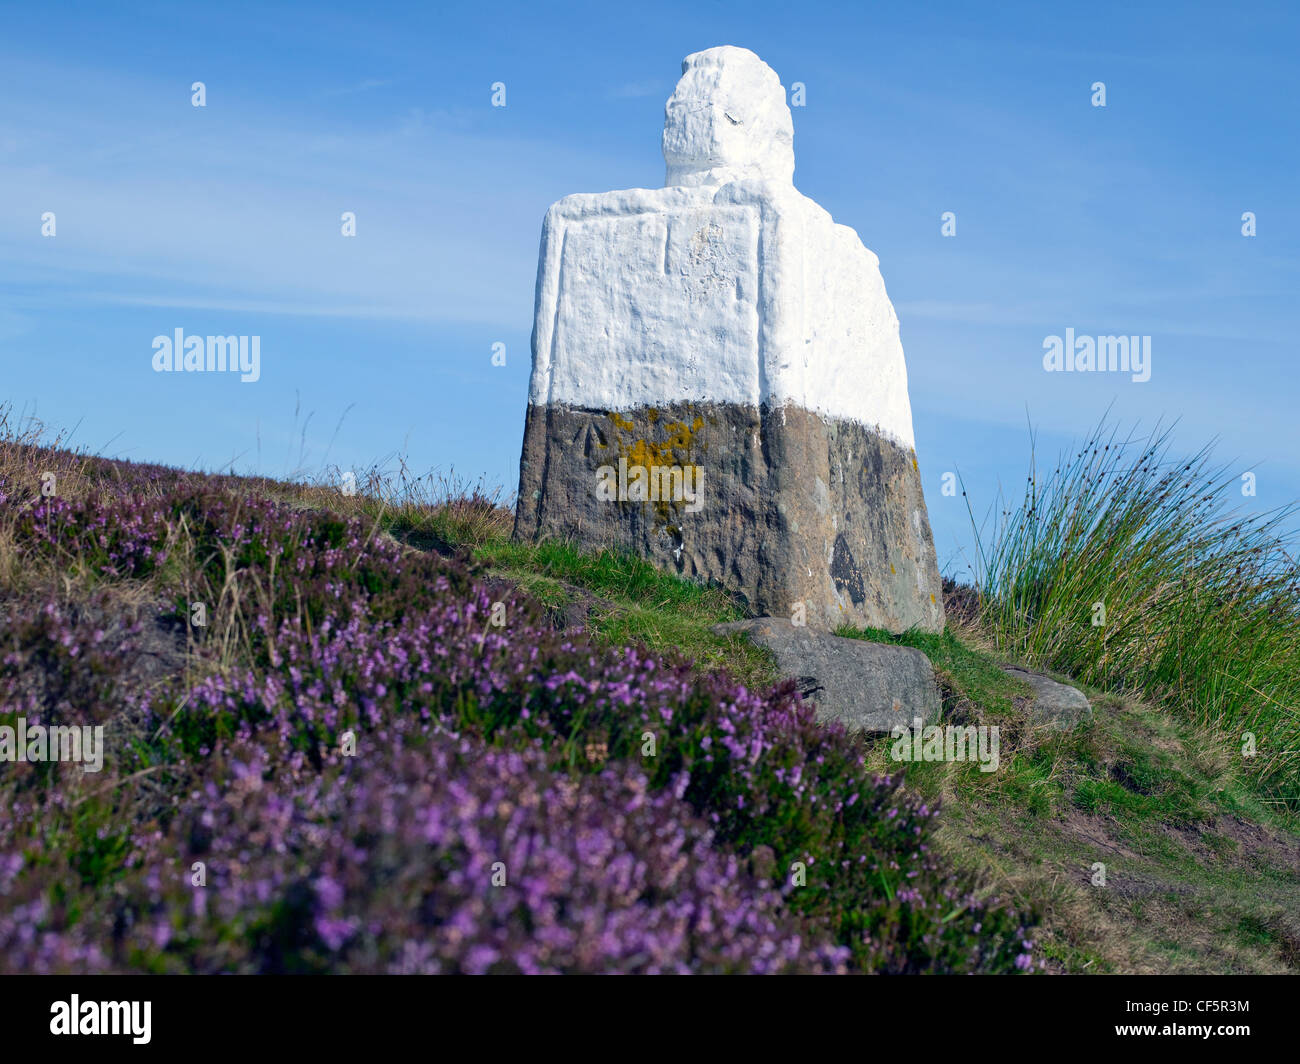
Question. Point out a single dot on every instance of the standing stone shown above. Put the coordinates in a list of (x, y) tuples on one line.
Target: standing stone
[(718, 383)]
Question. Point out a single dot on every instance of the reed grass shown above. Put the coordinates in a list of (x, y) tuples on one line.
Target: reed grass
[(1137, 571)]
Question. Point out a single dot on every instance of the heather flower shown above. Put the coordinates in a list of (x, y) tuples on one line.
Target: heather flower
[(477, 747)]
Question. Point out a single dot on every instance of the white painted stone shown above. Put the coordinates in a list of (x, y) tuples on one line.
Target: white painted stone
[(728, 285), (727, 120)]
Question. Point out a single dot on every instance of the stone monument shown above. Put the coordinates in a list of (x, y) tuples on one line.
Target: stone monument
[(718, 383)]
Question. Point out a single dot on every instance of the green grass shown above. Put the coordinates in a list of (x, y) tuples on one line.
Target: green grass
[(1155, 797), (627, 600), (623, 599), (1130, 570), (609, 573)]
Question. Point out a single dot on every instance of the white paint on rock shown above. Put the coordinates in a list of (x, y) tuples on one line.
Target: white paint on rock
[(726, 121), (728, 285)]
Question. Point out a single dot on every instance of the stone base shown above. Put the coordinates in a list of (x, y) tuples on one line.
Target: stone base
[(794, 509)]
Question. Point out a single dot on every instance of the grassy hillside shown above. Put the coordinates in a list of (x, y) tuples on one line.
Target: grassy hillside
[(532, 706), (1202, 860), (336, 742), (1202, 863)]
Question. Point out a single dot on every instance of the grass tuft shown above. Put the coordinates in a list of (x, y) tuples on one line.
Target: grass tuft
[(1131, 570)]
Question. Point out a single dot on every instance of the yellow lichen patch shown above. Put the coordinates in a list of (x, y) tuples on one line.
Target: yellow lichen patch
[(681, 436), (662, 443), (642, 453), (674, 448)]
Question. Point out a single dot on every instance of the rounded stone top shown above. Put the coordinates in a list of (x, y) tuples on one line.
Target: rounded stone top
[(727, 119)]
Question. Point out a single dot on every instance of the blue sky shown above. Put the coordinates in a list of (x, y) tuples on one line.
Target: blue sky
[(225, 219)]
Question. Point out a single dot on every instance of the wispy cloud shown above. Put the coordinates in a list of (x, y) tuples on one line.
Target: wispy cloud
[(208, 210), (359, 87), (631, 90), (969, 313)]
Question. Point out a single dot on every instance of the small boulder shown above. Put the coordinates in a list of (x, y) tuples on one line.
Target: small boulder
[(1057, 705), (865, 686)]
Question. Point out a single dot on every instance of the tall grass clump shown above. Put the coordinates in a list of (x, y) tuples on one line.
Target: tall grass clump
[(1133, 570)]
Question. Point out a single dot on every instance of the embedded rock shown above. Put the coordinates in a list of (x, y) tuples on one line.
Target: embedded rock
[(718, 382), (869, 687), (1057, 705)]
